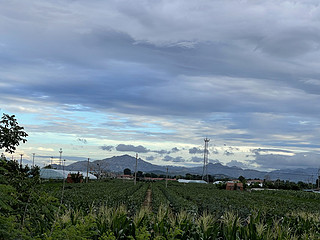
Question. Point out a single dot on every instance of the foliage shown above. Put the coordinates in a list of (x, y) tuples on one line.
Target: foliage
[(24, 209), (115, 223), (76, 177), (87, 196), (199, 198), (127, 171), (113, 210), (287, 185), (11, 134)]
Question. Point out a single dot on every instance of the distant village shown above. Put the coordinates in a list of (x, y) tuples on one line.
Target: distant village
[(240, 184)]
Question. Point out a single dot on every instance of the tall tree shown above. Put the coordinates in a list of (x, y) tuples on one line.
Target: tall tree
[(11, 134), (127, 171)]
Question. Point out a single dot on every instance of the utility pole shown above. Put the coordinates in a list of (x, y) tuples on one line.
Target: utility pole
[(167, 179), (33, 159), (21, 159), (205, 160), (60, 156), (88, 170), (135, 171), (318, 178), (99, 171), (63, 168)]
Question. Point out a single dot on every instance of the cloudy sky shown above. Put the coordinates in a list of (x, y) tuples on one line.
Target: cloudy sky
[(103, 78)]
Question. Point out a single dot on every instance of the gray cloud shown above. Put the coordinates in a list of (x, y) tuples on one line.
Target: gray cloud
[(168, 158), (235, 163), (196, 159), (178, 159), (82, 140), (106, 148), (161, 152), (150, 158), (131, 148), (214, 161), (266, 150), (278, 161), (175, 149), (136, 53), (215, 151), (228, 153), (139, 149), (195, 150), (259, 58)]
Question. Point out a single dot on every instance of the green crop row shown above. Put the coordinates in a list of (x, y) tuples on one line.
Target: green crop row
[(205, 197), (85, 196), (115, 223), (112, 209)]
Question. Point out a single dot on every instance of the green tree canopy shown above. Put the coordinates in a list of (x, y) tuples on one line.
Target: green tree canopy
[(11, 134), (127, 171)]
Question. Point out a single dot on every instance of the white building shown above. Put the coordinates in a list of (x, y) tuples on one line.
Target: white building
[(60, 174), (191, 181)]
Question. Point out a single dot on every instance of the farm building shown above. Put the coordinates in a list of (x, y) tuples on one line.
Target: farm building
[(125, 176), (231, 185), (60, 174), (191, 181)]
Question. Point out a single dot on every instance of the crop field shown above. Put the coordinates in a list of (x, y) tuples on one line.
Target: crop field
[(95, 194), (181, 211), (117, 209)]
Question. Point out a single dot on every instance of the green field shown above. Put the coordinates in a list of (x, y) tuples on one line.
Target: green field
[(117, 209)]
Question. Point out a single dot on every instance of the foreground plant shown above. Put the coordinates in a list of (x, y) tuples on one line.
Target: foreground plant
[(116, 223)]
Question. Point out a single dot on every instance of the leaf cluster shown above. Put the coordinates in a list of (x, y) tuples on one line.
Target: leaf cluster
[(11, 134)]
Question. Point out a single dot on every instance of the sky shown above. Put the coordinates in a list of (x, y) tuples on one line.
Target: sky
[(106, 78)]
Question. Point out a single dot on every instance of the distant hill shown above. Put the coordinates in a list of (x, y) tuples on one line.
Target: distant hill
[(119, 163), (295, 175)]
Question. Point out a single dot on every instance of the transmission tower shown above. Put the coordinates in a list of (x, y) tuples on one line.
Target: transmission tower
[(205, 160)]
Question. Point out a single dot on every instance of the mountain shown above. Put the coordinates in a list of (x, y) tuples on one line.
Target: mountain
[(113, 164), (119, 163), (295, 175), (235, 172)]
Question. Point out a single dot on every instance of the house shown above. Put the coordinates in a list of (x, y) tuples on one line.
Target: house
[(127, 177), (232, 185), (75, 178)]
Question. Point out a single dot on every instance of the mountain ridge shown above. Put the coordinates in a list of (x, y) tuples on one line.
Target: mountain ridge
[(119, 163)]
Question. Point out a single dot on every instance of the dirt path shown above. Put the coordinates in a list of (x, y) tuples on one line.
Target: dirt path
[(148, 200)]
